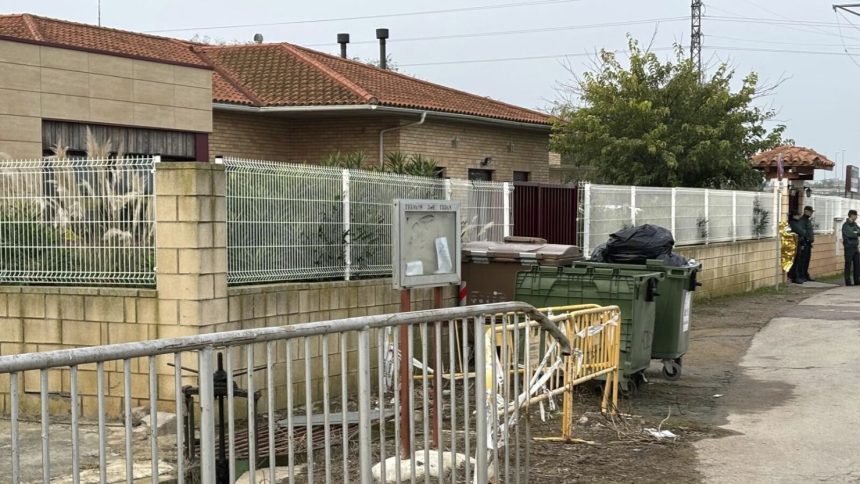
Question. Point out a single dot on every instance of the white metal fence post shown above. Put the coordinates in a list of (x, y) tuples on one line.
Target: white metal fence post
[(734, 216), (347, 255), (586, 220), (707, 217), (506, 204), (633, 206), (674, 205)]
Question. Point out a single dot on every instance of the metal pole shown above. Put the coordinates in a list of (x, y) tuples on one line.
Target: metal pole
[(481, 388), (405, 377), (347, 254), (777, 195), (734, 216), (633, 206), (586, 220), (207, 418), (506, 204), (437, 349), (364, 430), (674, 208)]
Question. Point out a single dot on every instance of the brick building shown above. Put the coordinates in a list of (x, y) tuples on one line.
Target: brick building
[(190, 101)]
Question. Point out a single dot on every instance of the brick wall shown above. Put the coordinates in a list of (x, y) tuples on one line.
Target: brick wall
[(455, 146), (276, 138), (50, 318), (248, 136), (460, 146), (733, 268), (827, 258), (736, 268)]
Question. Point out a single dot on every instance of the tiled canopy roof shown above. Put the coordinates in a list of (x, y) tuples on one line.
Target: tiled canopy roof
[(269, 75), (792, 156)]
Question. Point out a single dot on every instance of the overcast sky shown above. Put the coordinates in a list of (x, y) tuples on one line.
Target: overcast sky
[(800, 41)]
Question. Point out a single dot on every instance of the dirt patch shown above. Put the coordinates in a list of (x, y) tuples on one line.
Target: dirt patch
[(712, 385)]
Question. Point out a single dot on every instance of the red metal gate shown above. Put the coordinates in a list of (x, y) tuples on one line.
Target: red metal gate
[(546, 211)]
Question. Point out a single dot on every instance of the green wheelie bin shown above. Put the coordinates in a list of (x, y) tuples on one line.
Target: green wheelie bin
[(635, 292), (672, 318)]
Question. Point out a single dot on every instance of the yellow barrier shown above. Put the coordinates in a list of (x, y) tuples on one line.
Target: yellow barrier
[(595, 335), (516, 345)]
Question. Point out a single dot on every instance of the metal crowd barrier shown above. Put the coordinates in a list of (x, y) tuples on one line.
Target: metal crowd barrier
[(594, 333), (311, 398)]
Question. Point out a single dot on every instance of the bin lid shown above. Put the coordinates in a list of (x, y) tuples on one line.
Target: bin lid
[(522, 250)]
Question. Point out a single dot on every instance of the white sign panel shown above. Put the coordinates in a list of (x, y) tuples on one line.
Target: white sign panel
[(426, 243)]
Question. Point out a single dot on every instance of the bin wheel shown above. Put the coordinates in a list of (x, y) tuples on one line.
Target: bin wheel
[(631, 386), (672, 369)]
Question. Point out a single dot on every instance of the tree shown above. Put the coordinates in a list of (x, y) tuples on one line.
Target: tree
[(656, 124)]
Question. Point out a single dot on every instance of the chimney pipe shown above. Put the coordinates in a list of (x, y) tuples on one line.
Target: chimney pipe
[(382, 35), (343, 39)]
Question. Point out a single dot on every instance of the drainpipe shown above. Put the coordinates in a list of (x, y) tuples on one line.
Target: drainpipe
[(383, 131)]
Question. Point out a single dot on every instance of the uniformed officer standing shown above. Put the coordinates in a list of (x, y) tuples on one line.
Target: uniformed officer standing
[(850, 242), (805, 239)]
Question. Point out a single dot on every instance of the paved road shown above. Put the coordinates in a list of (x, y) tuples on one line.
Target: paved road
[(809, 430)]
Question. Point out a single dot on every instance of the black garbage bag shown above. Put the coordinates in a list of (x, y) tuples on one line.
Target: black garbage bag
[(674, 260), (598, 254), (637, 244)]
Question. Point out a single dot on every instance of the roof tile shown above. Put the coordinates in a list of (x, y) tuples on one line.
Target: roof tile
[(792, 156), (90, 37)]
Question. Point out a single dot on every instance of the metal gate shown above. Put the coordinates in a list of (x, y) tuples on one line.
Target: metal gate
[(320, 398), (546, 211)]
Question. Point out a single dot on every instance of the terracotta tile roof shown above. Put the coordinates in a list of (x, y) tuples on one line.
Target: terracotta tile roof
[(60, 33), (395, 89), (289, 75), (792, 156), (269, 75)]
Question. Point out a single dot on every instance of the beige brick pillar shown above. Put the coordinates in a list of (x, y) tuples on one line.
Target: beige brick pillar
[(191, 239)]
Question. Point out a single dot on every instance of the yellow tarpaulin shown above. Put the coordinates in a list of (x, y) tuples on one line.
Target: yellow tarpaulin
[(787, 245)]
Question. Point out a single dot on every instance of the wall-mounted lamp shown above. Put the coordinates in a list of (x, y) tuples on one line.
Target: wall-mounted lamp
[(486, 161), (808, 192), (454, 141)]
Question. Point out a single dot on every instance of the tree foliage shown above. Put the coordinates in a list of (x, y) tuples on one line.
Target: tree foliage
[(654, 123)]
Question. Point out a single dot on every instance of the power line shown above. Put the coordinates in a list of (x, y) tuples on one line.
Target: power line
[(771, 21), (584, 54), (775, 42), (517, 32), (844, 47), (779, 51), (508, 59), (370, 17)]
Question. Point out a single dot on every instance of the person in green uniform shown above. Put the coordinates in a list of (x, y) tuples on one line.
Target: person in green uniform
[(850, 241), (805, 240)]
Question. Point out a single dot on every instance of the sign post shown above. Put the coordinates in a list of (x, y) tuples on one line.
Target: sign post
[(425, 253)]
